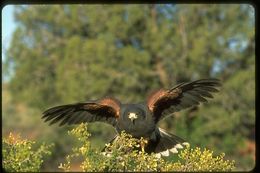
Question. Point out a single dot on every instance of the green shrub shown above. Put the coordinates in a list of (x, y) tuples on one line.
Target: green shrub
[(123, 156), (19, 156)]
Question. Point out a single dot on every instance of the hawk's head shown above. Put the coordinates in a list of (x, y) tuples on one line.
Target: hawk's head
[(134, 113)]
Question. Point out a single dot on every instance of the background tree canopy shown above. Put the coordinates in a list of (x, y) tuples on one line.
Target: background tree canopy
[(62, 54)]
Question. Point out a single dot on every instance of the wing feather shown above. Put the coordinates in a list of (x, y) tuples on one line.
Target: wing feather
[(76, 117), (181, 96), (204, 93), (66, 119), (104, 110), (55, 114)]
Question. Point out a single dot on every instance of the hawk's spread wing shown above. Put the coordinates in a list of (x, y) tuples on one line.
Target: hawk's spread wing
[(105, 110), (165, 102)]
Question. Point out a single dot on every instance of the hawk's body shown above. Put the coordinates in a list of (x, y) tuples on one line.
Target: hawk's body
[(139, 120)]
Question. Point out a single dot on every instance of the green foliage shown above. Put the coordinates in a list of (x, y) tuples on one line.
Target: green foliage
[(197, 160), (19, 155), (127, 154)]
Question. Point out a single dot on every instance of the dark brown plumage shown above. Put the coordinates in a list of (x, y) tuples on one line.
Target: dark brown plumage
[(140, 120)]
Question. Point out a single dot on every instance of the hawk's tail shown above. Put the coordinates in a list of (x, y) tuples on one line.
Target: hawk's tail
[(103, 150), (164, 144), (167, 143)]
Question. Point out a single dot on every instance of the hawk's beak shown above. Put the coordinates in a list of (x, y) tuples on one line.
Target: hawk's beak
[(132, 116)]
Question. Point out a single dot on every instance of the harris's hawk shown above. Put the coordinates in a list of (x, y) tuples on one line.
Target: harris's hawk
[(139, 120)]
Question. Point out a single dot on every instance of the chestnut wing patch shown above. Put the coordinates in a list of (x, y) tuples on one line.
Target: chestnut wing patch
[(184, 95), (105, 110), (113, 103)]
